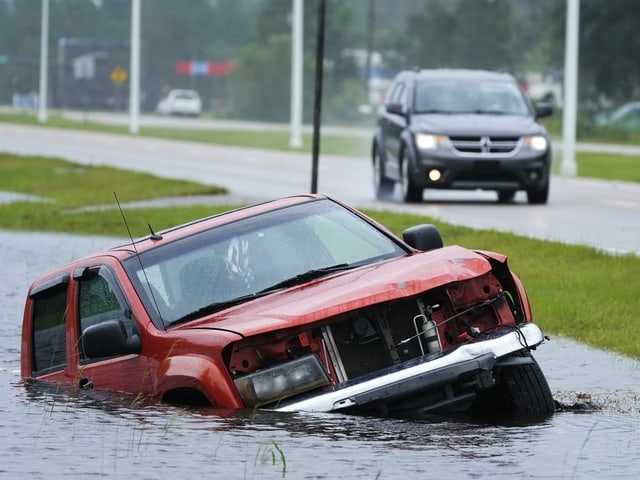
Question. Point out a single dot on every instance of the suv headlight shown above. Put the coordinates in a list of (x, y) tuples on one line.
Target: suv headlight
[(284, 380), (427, 141), (535, 142)]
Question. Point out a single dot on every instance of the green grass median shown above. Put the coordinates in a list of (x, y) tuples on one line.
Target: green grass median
[(270, 139), (576, 291)]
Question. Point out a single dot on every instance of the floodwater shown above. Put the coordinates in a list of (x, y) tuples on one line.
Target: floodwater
[(48, 433)]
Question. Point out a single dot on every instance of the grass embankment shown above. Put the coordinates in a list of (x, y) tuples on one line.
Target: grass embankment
[(69, 186), (608, 166), (267, 139), (575, 291)]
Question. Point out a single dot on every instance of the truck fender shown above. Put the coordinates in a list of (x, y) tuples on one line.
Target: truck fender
[(201, 373), (524, 298)]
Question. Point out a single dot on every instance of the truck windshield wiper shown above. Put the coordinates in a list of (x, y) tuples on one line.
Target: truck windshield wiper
[(217, 306), (299, 278), (308, 275)]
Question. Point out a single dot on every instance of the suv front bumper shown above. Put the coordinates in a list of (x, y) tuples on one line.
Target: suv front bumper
[(468, 173)]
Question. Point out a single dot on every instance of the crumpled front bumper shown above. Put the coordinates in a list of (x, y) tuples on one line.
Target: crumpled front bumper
[(472, 362)]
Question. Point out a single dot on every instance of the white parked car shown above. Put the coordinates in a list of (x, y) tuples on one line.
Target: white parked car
[(181, 102), (544, 88)]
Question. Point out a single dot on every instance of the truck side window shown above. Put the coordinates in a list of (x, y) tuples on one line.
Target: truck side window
[(99, 300), (49, 333)]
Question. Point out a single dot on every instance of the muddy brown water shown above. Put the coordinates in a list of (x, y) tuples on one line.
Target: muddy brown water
[(50, 433)]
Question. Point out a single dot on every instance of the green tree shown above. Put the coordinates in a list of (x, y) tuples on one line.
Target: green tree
[(467, 33), (19, 20), (261, 81), (608, 46), (259, 90)]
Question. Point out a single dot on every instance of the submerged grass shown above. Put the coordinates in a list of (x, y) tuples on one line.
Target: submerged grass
[(271, 452), (575, 291)]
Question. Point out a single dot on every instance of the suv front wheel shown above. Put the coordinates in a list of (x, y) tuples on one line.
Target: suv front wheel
[(538, 196), (410, 192), (382, 186), (506, 196)]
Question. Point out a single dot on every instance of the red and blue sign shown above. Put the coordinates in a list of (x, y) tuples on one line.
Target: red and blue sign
[(203, 68)]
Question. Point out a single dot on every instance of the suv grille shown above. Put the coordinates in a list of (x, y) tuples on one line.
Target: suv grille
[(485, 146)]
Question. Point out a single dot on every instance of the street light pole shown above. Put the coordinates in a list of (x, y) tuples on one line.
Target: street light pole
[(568, 165), (44, 62), (296, 74), (134, 80)]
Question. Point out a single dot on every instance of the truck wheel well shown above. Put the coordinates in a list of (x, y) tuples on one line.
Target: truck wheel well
[(191, 397)]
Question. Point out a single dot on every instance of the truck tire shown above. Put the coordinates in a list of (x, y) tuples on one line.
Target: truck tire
[(520, 390)]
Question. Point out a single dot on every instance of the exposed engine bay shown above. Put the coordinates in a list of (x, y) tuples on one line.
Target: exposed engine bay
[(372, 340)]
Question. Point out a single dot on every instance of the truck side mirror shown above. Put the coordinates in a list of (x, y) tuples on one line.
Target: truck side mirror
[(423, 237), (108, 339)]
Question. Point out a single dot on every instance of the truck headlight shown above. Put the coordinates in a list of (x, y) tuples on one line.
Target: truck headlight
[(282, 381)]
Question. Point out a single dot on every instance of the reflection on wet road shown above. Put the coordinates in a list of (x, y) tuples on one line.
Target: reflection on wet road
[(50, 433)]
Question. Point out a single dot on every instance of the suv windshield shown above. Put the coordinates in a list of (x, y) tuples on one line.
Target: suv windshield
[(460, 96), (209, 270)]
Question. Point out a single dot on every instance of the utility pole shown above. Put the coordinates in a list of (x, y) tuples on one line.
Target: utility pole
[(317, 107)]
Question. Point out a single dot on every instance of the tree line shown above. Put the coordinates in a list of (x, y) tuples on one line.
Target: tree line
[(254, 36)]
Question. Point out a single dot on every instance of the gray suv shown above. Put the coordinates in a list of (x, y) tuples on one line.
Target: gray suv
[(460, 129)]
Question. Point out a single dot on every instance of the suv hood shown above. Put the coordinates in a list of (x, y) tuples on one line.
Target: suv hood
[(345, 291), (476, 124)]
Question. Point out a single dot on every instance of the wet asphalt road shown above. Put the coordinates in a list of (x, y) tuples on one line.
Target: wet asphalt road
[(602, 214)]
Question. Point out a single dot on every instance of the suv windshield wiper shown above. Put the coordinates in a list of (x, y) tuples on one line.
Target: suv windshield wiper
[(494, 112), (308, 275), (435, 110)]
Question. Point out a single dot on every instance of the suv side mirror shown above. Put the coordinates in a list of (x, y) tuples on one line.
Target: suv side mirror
[(395, 108), (543, 109), (108, 339), (423, 237)]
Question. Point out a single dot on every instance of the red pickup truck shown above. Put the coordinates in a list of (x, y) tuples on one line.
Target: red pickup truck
[(297, 304)]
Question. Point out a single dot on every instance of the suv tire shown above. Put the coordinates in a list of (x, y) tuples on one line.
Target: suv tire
[(382, 186), (506, 196), (410, 192), (538, 196)]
